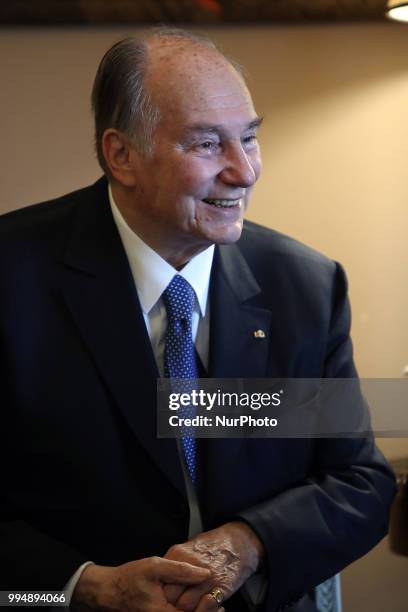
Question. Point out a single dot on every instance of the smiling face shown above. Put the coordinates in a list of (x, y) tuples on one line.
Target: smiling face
[(194, 188)]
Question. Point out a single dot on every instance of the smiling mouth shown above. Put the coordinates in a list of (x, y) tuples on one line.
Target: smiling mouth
[(218, 203)]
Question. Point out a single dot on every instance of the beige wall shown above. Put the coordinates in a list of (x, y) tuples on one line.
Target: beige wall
[(335, 145)]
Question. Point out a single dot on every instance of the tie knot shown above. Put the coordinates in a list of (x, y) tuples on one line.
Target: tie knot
[(179, 299)]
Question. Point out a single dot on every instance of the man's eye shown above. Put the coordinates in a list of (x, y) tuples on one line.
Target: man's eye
[(250, 139), (208, 144)]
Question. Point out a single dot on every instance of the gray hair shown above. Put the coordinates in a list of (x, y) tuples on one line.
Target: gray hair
[(119, 96)]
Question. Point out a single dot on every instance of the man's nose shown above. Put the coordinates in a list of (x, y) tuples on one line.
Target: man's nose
[(239, 168)]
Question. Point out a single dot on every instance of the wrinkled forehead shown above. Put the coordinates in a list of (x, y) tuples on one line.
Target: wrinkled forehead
[(184, 75)]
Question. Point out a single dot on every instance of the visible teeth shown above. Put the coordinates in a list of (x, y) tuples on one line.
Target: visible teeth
[(222, 203)]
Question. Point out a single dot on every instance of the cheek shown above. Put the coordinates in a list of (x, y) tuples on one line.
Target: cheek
[(192, 177)]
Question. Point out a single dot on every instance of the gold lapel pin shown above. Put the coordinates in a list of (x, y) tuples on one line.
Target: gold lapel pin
[(259, 333)]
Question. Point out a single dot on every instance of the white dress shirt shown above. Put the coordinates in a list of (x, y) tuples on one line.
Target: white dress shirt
[(152, 274)]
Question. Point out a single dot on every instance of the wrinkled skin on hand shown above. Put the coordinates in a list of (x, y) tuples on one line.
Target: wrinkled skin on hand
[(232, 552)]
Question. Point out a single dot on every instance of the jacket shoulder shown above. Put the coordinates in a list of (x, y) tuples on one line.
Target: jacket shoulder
[(44, 217), (262, 244)]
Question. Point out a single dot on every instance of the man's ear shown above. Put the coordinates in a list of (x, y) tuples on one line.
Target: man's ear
[(120, 156)]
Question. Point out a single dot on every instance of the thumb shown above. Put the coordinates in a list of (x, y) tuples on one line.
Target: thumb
[(179, 572)]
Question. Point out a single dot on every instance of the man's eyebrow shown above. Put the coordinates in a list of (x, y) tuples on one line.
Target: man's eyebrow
[(255, 123), (207, 128)]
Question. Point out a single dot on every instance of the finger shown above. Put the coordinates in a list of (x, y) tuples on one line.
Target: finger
[(172, 592), (192, 596), (177, 572), (208, 604)]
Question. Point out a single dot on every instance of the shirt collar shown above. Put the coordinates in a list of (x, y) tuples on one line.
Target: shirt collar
[(152, 273)]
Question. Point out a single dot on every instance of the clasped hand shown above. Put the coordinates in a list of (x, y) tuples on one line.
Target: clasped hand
[(232, 553)]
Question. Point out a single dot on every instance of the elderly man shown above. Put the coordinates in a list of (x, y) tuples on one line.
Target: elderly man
[(92, 501)]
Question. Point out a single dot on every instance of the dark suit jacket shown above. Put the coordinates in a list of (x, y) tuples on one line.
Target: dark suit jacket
[(84, 475)]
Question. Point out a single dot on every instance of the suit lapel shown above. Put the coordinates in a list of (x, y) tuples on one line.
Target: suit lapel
[(99, 291), (235, 348), (235, 352)]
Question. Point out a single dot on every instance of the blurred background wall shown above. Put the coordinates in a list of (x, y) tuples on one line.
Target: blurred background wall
[(335, 149)]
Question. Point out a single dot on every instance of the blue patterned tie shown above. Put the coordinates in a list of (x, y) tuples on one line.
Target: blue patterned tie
[(179, 354)]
